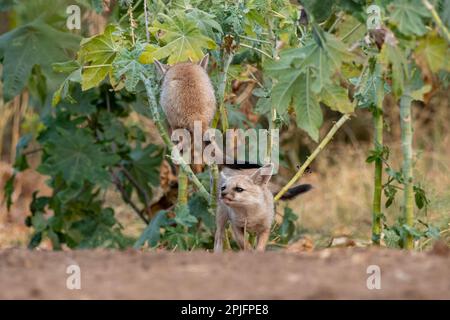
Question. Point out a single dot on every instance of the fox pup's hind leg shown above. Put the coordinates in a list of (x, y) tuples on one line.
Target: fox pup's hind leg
[(239, 237), (221, 222)]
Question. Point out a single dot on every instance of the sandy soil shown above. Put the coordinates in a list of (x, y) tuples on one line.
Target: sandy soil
[(327, 274)]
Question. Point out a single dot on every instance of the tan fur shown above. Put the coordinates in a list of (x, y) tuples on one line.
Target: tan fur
[(251, 210), (187, 95)]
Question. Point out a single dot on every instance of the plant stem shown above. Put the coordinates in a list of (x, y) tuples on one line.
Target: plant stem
[(147, 32), (313, 155), (222, 112), (408, 193), (254, 39), (273, 110), (182, 187), (256, 49), (132, 23), (378, 180), (97, 66), (165, 136), (139, 188), (339, 17), (125, 196), (348, 34), (20, 106), (137, 4), (214, 184), (437, 19)]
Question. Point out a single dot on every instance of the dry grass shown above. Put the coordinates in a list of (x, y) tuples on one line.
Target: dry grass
[(340, 204)]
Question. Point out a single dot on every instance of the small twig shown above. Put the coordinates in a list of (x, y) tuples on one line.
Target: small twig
[(256, 49), (279, 15), (126, 198), (97, 66), (348, 34), (136, 185), (256, 79), (253, 39), (26, 153), (313, 155), (335, 23), (430, 239)]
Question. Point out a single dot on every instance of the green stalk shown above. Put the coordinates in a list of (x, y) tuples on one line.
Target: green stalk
[(378, 142), (408, 192), (165, 136), (182, 187), (222, 112), (272, 125), (313, 155), (133, 8), (273, 111), (214, 184)]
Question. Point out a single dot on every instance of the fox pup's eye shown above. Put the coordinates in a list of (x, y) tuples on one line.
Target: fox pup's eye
[(238, 189), (223, 188)]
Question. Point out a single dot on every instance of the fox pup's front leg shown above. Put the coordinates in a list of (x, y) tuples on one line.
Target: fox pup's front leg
[(263, 238)]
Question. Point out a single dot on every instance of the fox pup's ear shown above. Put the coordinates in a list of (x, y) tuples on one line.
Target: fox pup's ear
[(222, 176), (204, 62), (161, 68), (262, 175)]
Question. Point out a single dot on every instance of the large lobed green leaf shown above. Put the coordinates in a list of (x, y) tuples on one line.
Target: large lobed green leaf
[(33, 44), (76, 156), (302, 73), (432, 53), (152, 233), (144, 166), (97, 55), (182, 39), (407, 15), (63, 92), (127, 66)]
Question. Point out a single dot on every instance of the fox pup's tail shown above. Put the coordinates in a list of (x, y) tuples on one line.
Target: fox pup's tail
[(289, 194), (295, 191)]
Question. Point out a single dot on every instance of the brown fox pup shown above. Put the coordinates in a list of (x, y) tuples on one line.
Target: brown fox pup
[(187, 94), (246, 200)]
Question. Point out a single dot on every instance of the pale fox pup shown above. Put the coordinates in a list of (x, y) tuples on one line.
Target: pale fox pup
[(187, 94), (246, 200)]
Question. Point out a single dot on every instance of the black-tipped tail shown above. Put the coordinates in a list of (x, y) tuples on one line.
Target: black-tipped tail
[(295, 191), (240, 166)]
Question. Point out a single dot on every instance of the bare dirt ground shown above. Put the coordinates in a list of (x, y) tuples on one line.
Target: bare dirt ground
[(326, 274)]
